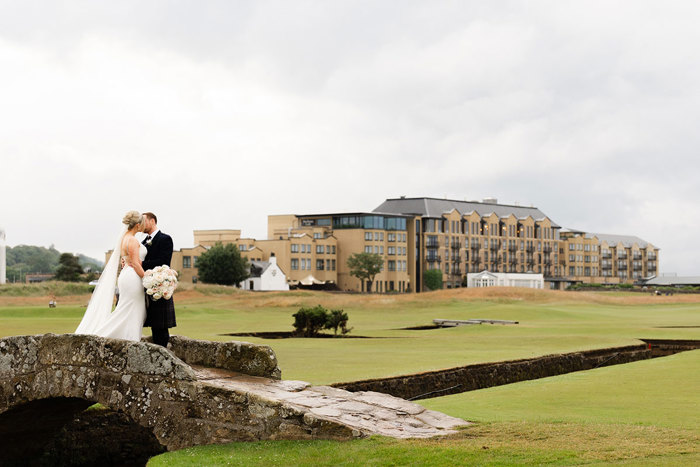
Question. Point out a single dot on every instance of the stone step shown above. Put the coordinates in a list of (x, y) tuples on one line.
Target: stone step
[(368, 413)]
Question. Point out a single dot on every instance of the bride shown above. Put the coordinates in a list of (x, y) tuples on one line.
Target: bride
[(126, 321)]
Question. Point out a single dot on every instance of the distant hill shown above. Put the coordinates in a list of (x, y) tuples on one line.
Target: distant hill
[(23, 259)]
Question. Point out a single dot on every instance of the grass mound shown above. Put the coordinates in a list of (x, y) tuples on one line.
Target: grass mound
[(46, 289)]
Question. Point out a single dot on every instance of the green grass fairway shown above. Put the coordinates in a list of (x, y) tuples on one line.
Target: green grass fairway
[(545, 327), (662, 392), (644, 413)]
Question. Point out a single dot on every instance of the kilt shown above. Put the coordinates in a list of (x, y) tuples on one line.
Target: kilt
[(159, 313)]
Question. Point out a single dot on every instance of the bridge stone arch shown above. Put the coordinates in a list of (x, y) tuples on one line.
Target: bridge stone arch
[(197, 392)]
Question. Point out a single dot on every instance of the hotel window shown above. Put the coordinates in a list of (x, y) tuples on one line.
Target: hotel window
[(319, 249), (328, 249), (391, 265), (391, 237), (242, 247), (333, 264), (376, 236), (295, 264), (308, 264), (376, 250), (186, 262), (195, 261), (328, 265), (368, 249), (381, 250), (295, 248), (391, 250), (317, 235), (319, 265), (368, 236), (333, 249)]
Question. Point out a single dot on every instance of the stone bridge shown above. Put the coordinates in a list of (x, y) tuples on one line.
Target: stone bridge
[(195, 393)]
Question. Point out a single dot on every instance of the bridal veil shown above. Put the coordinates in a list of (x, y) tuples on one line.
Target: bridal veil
[(100, 306)]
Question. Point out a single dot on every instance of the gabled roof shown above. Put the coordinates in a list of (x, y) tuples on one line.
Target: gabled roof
[(258, 268), (612, 240), (435, 208)]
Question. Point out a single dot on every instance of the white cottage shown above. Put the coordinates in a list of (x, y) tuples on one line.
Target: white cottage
[(265, 275), (505, 279)]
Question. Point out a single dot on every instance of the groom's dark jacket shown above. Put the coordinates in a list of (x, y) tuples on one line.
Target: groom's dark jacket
[(159, 313)]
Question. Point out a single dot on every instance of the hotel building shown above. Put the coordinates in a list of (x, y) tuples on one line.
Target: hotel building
[(415, 235)]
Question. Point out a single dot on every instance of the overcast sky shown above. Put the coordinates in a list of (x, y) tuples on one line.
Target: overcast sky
[(216, 114)]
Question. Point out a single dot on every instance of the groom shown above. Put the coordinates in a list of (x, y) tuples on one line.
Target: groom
[(160, 314)]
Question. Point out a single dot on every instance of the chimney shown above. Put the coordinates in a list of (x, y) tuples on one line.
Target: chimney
[(273, 259)]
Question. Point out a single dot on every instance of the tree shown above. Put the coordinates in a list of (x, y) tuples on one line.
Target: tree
[(223, 265), (337, 319), (433, 279), (365, 266), (69, 268)]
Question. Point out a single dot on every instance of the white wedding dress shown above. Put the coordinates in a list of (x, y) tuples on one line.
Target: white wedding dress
[(126, 321)]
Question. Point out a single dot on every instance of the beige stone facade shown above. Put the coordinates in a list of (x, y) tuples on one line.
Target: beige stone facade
[(607, 259)]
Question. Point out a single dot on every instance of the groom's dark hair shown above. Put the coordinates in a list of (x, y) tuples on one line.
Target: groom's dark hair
[(150, 215)]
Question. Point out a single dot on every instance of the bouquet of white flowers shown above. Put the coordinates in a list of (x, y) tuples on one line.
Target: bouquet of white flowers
[(160, 282)]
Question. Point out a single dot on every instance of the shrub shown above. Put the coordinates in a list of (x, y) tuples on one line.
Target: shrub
[(309, 321), (337, 319)]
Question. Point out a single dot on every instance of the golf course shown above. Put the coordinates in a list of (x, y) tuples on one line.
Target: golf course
[(640, 413)]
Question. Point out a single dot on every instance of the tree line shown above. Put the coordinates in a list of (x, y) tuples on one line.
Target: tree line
[(28, 259)]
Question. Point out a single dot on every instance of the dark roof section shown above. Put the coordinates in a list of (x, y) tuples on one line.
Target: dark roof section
[(613, 240), (436, 207), (674, 280), (257, 268), (373, 213)]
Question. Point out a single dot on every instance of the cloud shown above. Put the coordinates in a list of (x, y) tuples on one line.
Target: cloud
[(215, 115)]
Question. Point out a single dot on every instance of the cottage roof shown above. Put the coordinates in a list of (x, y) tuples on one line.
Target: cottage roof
[(258, 268)]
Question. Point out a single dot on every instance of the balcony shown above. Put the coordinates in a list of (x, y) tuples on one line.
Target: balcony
[(433, 258), (606, 255), (622, 267), (622, 256), (512, 247), (455, 245), (495, 246), (530, 248), (476, 259), (637, 256), (475, 246), (547, 249), (651, 256), (606, 265), (457, 259), (456, 271), (637, 267), (432, 242)]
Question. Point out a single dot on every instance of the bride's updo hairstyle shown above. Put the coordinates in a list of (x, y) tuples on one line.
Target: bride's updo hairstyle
[(132, 219)]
